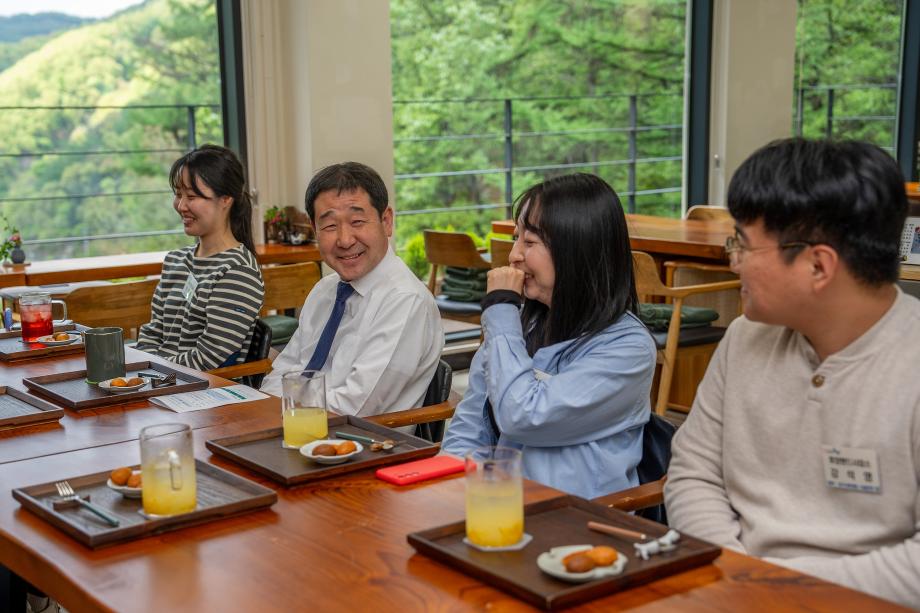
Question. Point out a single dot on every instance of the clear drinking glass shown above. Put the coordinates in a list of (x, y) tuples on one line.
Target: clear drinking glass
[(35, 315), (303, 407), (494, 497), (167, 469)]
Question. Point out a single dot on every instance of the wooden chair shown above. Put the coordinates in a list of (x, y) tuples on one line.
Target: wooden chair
[(701, 212), (703, 340), (501, 251), (126, 305), (453, 249), (286, 288)]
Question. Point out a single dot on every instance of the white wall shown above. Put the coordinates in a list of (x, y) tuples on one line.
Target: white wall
[(753, 67), (318, 91)]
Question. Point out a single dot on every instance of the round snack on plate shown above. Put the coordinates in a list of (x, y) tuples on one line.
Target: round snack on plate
[(602, 555), (578, 563), (61, 336), (119, 382), (121, 475), (327, 450), (346, 447), (134, 480), (134, 381)]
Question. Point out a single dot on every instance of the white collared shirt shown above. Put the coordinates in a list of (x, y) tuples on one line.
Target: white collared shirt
[(387, 346)]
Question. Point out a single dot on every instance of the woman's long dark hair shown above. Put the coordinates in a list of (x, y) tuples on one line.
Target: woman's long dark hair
[(219, 169), (580, 220)]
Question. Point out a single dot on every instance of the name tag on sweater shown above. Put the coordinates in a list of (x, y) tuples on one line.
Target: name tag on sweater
[(849, 468), (188, 291)]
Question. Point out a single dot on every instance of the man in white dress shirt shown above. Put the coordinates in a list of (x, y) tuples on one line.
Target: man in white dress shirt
[(372, 327)]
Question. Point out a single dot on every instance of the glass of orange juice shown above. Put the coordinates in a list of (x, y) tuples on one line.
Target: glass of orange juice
[(494, 497), (167, 470), (303, 407)]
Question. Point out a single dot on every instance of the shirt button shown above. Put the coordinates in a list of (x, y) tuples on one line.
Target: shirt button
[(817, 380)]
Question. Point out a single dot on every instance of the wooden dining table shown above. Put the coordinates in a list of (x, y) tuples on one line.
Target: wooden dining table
[(697, 239), (335, 544), (128, 265)]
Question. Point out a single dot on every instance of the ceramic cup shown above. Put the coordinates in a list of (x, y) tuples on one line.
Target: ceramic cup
[(105, 354)]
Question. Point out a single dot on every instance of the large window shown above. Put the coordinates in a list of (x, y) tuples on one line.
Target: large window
[(94, 112), (492, 96), (847, 63)]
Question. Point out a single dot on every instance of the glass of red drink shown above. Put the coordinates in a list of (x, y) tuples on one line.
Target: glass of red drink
[(35, 315)]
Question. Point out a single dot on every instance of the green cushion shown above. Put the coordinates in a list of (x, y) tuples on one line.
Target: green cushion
[(658, 316), (454, 272), (283, 327)]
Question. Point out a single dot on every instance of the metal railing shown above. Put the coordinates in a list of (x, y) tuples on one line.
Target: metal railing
[(191, 141), (508, 135)]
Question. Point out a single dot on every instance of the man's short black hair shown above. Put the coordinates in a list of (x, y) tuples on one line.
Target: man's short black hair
[(347, 177), (846, 194)]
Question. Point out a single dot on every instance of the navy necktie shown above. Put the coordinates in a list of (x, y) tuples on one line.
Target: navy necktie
[(321, 352)]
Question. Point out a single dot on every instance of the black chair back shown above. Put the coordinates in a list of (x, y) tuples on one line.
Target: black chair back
[(656, 456), (438, 391), (258, 350)]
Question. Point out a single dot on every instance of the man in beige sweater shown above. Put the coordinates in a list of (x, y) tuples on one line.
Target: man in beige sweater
[(803, 445)]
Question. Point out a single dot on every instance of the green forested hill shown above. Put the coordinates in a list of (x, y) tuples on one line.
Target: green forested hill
[(162, 52), (18, 27)]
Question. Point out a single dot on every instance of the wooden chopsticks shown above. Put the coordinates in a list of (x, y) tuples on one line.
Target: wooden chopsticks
[(614, 531)]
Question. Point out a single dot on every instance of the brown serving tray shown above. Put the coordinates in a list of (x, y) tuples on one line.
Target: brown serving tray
[(556, 523), (12, 347), (71, 390), (262, 451), (220, 494), (20, 409)]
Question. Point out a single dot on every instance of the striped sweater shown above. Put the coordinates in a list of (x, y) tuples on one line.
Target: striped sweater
[(217, 319)]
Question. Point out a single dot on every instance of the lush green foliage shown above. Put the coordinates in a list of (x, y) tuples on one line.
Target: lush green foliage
[(845, 43), (568, 68), (163, 52)]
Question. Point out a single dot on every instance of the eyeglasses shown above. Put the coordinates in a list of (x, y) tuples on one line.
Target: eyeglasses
[(736, 249)]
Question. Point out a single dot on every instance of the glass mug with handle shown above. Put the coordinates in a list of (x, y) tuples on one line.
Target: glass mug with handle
[(494, 497), (35, 315), (303, 408), (168, 485)]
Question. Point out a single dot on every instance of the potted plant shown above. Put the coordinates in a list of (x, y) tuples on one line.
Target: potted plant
[(11, 247), (276, 224)]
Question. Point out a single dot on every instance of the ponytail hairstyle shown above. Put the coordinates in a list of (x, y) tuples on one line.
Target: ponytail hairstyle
[(219, 169)]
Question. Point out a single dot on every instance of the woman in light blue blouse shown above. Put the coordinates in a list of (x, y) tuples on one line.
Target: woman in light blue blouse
[(566, 378)]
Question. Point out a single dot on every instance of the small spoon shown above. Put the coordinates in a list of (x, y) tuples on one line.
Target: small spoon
[(384, 445)]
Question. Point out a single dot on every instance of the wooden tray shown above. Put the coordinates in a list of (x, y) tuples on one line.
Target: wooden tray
[(16, 332), (12, 347), (20, 409), (262, 451), (220, 494), (71, 390), (555, 523)]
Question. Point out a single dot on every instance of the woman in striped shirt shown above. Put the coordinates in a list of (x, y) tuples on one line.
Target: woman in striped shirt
[(210, 293)]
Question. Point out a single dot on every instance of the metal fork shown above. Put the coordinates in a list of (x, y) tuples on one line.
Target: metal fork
[(66, 493)]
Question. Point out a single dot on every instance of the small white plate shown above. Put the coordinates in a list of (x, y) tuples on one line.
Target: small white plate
[(124, 490), (307, 450), (50, 342), (107, 386), (550, 562)]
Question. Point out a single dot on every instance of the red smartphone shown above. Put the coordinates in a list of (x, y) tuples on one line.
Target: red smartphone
[(419, 470)]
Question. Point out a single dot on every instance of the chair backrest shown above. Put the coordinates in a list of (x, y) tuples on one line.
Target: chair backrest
[(501, 251), (656, 457), (438, 391), (287, 285), (258, 350), (648, 283), (125, 305), (451, 249), (706, 212)]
